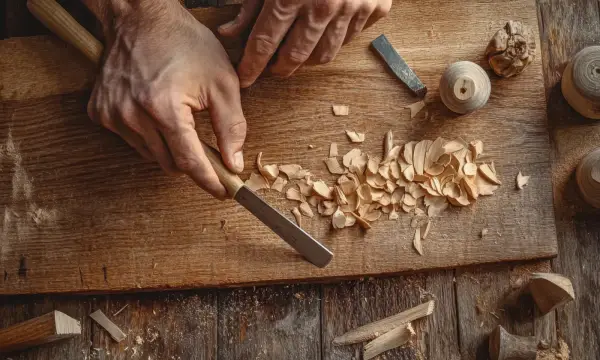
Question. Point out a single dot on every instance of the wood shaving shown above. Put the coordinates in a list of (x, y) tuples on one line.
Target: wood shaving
[(310, 146), (355, 137), (476, 148), (489, 173), (294, 171), (333, 150), (409, 173), (346, 160), (484, 232), (388, 142), (419, 157), (522, 181), (373, 165), (417, 241), (340, 110), (270, 172), (334, 166), (470, 169), (294, 194), (321, 189), (415, 108), (484, 187), (313, 201), (256, 182), (453, 146), (408, 152), (373, 215), (393, 215), (338, 219), (298, 216), (306, 210), (340, 196), (279, 184), (392, 155), (306, 187), (427, 229), (362, 222)]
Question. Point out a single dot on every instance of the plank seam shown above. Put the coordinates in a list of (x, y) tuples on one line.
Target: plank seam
[(457, 311)]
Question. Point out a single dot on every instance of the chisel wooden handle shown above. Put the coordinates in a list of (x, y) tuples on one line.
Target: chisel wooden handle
[(57, 19)]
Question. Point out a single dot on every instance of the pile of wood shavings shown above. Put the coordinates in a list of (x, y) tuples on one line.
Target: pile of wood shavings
[(421, 178)]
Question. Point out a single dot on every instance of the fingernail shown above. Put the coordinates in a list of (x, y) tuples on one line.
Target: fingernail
[(238, 161)]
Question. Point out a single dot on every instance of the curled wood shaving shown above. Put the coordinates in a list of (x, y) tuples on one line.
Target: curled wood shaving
[(347, 159), (409, 200), (435, 205), (350, 220), (355, 137), (395, 172), (313, 200), (415, 108), (484, 187), (453, 146), (419, 156), (340, 196), (427, 229), (364, 192), (417, 241), (409, 173), (373, 215), (489, 174), (435, 150), (256, 182), (305, 209), (321, 189), (360, 162), (293, 171), (522, 181), (408, 152), (340, 110), (470, 188), (333, 150), (444, 160), (362, 222), (384, 171), (476, 148), (279, 184), (334, 166), (393, 215), (338, 219), (435, 169), (324, 209), (470, 169), (373, 165), (310, 146), (294, 194), (270, 172), (392, 155), (305, 187), (298, 216), (388, 142)]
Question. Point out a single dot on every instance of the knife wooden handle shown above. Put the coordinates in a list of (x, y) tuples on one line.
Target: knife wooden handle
[(57, 19)]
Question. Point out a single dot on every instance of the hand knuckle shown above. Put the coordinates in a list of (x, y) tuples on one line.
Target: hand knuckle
[(186, 164), (264, 45), (324, 8), (297, 56)]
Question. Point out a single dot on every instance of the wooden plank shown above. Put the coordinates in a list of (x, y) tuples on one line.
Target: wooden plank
[(565, 28), (114, 214), (180, 325), (270, 323), (16, 309), (40, 330)]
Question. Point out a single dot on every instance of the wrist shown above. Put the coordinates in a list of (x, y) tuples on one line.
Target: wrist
[(108, 11)]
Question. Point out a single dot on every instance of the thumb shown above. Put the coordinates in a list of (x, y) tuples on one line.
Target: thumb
[(229, 124), (247, 14)]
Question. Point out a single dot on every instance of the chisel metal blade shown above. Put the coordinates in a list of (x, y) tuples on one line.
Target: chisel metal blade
[(310, 248), (398, 66)]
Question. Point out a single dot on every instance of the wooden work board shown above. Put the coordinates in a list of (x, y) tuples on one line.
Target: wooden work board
[(83, 213)]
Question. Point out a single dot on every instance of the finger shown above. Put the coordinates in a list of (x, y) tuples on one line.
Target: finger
[(137, 120), (229, 123), (381, 11), (248, 12), (359, 21), (332, 40), (134, 140), (272, 24), (189, 156), (301, 41)]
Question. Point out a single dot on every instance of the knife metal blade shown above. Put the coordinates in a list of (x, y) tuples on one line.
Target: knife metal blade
[(302, 242)]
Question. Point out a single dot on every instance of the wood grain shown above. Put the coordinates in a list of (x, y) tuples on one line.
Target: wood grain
[(108, 218), (572, 136)]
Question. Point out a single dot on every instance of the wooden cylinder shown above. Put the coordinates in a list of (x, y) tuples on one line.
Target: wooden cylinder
[(581, 82), (465, 87), (588, 178)]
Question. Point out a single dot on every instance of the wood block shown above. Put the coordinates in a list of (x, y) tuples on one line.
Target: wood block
[(47, 328), (117, 223), (113, 330)]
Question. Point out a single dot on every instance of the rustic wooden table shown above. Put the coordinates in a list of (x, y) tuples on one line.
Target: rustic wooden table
[(299, 321)]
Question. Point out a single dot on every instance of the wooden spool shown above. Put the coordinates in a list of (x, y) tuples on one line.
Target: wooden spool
[(465, 87), (581, 82), (588, 178)]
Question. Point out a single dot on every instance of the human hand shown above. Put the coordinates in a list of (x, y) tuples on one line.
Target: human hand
[(160, 65), (314, 32)]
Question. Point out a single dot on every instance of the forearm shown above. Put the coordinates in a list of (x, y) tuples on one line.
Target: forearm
[(107, 10)]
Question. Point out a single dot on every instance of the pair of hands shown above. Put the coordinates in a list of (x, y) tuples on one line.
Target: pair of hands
[(161, 65)]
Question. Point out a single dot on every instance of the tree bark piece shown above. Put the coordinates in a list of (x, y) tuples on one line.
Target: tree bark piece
[(113, 330), (374, 329), (43, 329), (511, 49), (550, 291), (390, 340), (505, 346)]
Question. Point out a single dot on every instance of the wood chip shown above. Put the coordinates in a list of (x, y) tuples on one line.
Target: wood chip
[(484, 232), (435, 150), (393, 215), (395, 172), (113, 330), (522, 181), (355, 137), (417, 241), (444, 160), (313, 200), (362, 222), (340, 110), (298, 216), (489, 174), (372, 330), (256, 182), (373, 164), (484, 187), (470, 169), (305, 187), (360, 162), (373, 215), (294, 194), (419, 156), (334, 166), (435, 205), (364, 192), (305, 210), (392, 155), (470, 188), (350, 220), (340, 197), (476, 148), (279, 184), (293, 171), (427, 229), (347, 159), (415, 108), (270, 172), (408, 152), (338, 219), (321, 189), (333, 150), (409, 173), (453, 146), (409, 200), (384, 171), (388, 142), (326, 208), (390, 340)]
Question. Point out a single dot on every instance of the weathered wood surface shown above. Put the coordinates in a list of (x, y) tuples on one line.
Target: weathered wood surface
[(87, 214)]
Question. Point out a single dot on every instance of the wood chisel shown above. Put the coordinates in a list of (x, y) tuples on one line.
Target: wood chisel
[(57, 19), (398, 66)]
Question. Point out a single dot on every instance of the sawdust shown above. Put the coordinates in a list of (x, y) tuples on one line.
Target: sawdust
[(561, 352)]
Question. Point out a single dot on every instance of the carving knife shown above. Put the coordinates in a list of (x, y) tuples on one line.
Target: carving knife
[(57, 19)]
